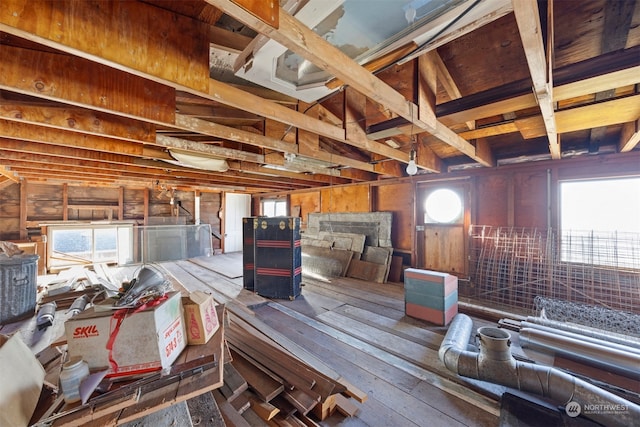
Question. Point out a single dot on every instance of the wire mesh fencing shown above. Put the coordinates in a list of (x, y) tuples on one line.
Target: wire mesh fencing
[(512, 266)]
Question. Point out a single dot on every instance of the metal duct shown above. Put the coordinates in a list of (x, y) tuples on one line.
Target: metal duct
[(594, 354), (585, 330), (604, 343), (494, 363)]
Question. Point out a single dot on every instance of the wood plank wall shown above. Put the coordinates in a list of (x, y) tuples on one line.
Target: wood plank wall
[(510, 195), (53, 203), (514, 195)]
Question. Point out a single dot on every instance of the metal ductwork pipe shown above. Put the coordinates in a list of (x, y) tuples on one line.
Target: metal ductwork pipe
[(627, 340), (495, 363), (629, 346), (610, 356)]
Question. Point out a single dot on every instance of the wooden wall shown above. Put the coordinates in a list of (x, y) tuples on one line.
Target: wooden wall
[(54, 203), (521, 195)]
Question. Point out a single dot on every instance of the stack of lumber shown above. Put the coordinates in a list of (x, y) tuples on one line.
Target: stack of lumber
[(266, 380), (345, 255)]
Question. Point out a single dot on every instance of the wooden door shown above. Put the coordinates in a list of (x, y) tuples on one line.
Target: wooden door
[(443, 241)]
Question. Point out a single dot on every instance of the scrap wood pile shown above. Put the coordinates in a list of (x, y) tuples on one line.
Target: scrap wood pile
[(346, 255), (280, 388)]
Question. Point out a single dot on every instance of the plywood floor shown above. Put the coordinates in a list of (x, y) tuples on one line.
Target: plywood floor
[(359, 329)]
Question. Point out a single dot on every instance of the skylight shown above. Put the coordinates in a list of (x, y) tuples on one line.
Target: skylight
[(361, 29)]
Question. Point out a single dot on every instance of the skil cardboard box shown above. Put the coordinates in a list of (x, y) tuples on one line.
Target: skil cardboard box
[(129, 341), (200, 317)]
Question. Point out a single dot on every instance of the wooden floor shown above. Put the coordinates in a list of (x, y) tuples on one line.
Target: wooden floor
[(359, 329)]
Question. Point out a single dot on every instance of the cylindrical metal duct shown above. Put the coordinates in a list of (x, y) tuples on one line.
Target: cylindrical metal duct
[(623, 362), (585, 338), (494, 363), (585, 330)]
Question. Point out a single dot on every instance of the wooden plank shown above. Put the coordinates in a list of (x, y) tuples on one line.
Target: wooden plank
[(73, 79), (446, 383), (302, 401), (364, 270), (630, 136), (230, 416), (266, 11), (34, 133), (345, 406), (615, 111), (376, 303), (324, 409), (263, 409), (299, 352), (286, 409), (266, 387), (240, 403), (294, 376), (78, 120), (166, 43), (253, 418), (225, 264), (234, 385), (322, 386), (414, 331), (405, 349), (390, 387), (528, 19), (302, 40)]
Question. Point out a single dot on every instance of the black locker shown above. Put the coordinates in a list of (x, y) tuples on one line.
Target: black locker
[(277, 257), (249, 224)]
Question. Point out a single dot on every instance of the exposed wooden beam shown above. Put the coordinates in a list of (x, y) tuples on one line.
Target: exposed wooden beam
[(73, 80), (124, 165), (528, 19), (8, 173), (139, 63), (227, 40), (300, 39), (212, 150), (630, 136), (213, 129), (601, 114), (5, 181), (79, 120), (145, 40), (615, 111), (449, 84), (29, 132)]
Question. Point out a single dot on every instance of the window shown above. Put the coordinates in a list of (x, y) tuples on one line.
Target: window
[(89, 243), (274, 207), (600, 221), (443, 206)]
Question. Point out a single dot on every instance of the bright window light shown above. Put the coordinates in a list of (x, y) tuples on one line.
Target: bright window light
[(274, 208), (443, 206), (602, 205), (600, 222)]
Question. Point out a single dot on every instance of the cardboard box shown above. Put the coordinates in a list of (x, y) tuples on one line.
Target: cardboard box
[(129, 341), (22, 378), (200, 317)]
